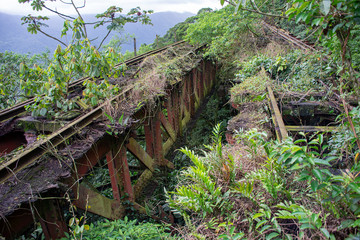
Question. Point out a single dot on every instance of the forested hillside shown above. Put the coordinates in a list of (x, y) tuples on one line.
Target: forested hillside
[(281, 163)]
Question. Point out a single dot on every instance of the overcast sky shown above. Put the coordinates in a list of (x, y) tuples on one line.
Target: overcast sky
[(98, 6)]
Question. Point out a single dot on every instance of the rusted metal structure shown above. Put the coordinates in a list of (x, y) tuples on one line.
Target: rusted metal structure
[(35, 181)]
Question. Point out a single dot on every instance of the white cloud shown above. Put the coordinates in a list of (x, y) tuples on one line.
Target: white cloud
[(97, 6)]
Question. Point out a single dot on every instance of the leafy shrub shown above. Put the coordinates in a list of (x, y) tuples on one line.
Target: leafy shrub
[(204, 194), (295, 71), (126, 229), (293, 193)]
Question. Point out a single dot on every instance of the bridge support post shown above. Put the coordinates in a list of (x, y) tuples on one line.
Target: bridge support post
[(51, 219), (191, 93), (154, 143), (119, 173), (196, 88)]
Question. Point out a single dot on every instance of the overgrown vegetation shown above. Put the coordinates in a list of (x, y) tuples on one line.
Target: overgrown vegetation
[(124, 229), (259, 188), (305, 187)]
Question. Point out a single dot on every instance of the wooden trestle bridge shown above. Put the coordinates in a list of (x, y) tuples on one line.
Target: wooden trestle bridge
[(35, 181)]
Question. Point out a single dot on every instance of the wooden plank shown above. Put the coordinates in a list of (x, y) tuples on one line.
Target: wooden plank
[(114, 178), (153, 138), (281, 131), (311, 128), (137, 150)]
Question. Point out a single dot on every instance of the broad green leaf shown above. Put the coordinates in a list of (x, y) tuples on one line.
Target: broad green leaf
[(272, 235), (43, 112), (325, 232), (93, 101), (259, 224), (266, 227), (257, 215), (317, 174), (354, 187), (314, 185), (345, 224), (326, 5)]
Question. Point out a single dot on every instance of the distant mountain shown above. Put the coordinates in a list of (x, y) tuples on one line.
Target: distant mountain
[(15, 37)]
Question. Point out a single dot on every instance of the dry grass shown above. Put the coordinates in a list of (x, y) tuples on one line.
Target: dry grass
[(274, 49), (250, 89), (151, 78)]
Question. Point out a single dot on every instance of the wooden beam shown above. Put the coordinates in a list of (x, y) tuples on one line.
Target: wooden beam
[(311, 128), (114, 178), (137, 150), (119, 173), (278, 121), (166, 124), (92, 201), (167, 146)]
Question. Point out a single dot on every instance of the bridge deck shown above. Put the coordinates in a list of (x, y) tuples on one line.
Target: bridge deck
[(159, 94)]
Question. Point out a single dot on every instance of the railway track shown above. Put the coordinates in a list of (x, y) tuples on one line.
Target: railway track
[(288, 37), (19, 108)]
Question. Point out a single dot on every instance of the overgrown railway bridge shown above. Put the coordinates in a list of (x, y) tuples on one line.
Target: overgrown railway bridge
[(141, 123)]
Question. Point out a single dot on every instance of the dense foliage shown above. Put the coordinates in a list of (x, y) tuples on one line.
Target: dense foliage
[(258, 188), (123, 229), (10, 78), (290, 193)]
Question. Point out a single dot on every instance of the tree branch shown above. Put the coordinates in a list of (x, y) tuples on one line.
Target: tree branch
[(104, 39), (58, 13), (255, 11), (56, 39), (76, 9)]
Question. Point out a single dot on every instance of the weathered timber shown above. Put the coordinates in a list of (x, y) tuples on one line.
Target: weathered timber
[(311, 128), (16, 224), (142, 182), (89, 199), (35, 152), (97, 151), (137, 150), (167, 126), (280, 129), (289, 38)]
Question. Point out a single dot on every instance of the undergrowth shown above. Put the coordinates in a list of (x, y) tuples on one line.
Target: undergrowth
[(291, 193)]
